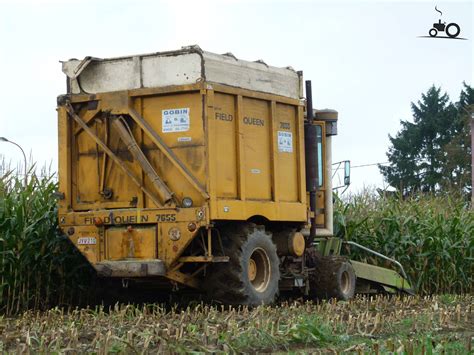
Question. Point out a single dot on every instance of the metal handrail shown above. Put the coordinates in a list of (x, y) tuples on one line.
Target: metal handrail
[(379, 255)]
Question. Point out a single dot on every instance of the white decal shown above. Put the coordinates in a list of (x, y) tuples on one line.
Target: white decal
[(255, 171), (86, 241), (184, 139), (285, 142), (175, 120)]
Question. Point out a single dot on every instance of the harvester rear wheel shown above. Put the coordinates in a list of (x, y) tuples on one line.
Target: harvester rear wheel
[(252, 274), (334, 277)]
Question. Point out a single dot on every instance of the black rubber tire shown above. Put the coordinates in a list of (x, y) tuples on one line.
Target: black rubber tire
[(458, 30), (433, 32), (333, 277), (229, 282)]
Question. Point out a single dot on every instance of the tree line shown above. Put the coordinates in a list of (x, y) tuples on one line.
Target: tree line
[(432, 152)]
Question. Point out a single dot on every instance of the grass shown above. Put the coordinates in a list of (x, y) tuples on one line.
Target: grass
[(432, 237), (365, 325)]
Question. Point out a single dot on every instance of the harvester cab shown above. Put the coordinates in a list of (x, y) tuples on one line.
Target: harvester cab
[(193, 169)]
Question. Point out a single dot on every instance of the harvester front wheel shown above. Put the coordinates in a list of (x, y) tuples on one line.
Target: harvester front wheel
[(334, 277), (252, 274)]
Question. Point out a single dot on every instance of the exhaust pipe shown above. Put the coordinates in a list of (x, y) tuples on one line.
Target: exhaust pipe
[(311, 157)]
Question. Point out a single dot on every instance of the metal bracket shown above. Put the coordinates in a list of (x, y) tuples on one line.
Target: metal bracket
[(109, 152), (379, 255), (127, 137)]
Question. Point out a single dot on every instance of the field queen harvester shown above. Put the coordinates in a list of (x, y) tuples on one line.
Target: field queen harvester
[(192, 169)]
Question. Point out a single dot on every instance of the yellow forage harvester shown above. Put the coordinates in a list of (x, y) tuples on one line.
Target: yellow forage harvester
[(205, 171)]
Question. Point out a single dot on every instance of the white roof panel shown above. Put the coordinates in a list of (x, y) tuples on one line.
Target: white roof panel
[(185, 66)]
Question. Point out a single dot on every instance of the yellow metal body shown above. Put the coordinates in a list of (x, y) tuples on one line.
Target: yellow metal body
[(228, 160)]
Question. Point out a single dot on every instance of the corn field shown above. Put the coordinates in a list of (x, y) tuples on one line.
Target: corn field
[(38, 266), (410, 325), (431, 236)]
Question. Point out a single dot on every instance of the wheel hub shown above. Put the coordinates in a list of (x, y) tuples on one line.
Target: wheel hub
[(259, 271), (252, 270), (345, 282)]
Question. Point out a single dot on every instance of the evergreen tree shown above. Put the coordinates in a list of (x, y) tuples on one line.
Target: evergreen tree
[(432, 153), (456, 155)]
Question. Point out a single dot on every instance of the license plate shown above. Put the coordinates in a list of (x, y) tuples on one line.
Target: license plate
[(86, 241)]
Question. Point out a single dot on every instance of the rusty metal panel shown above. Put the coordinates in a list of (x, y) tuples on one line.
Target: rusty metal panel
[(224, 139), (131, 268), (246, 145), (64, 159), (255, 156), (185, 140), (285, 135), (130, 243), (96, 179), (257, 153)]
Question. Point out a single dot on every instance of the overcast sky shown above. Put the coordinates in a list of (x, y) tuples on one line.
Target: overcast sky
[(365, 58)]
